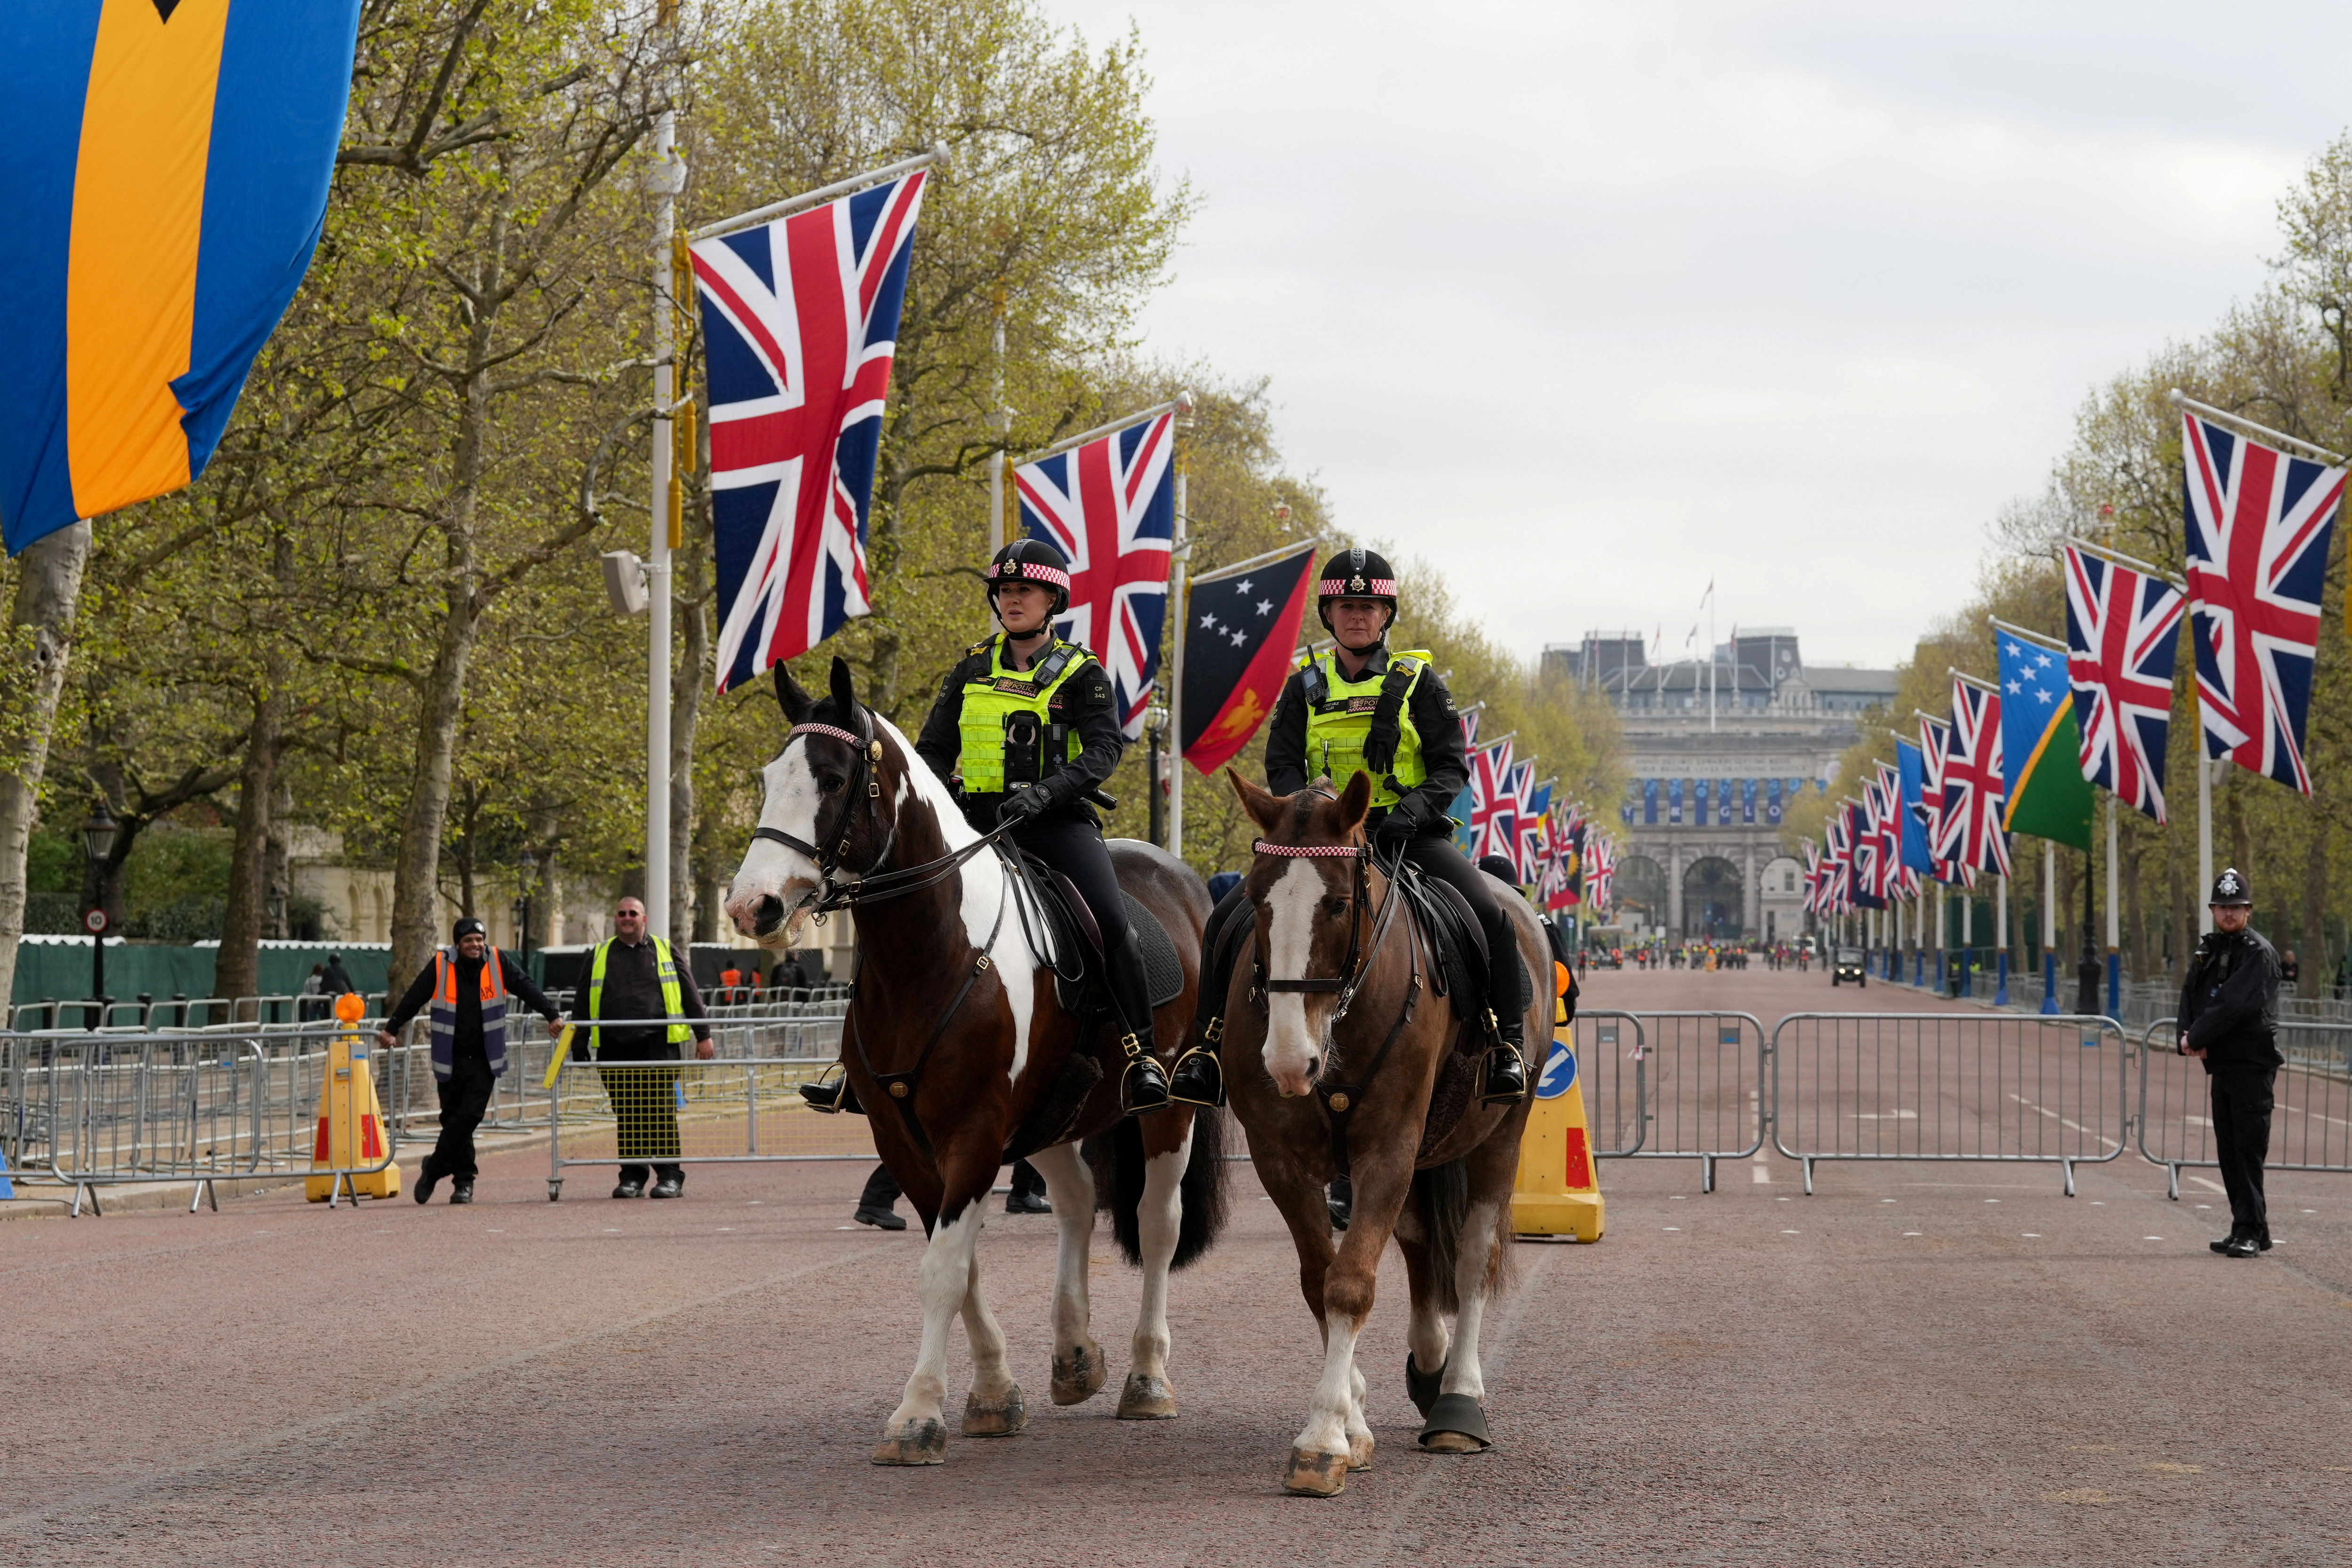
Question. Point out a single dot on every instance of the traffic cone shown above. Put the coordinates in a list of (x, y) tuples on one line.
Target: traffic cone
[(350, 1120), (1558, 1192)]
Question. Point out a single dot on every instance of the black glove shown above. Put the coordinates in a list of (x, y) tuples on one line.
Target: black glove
[(1023, 803), (1398, 827)]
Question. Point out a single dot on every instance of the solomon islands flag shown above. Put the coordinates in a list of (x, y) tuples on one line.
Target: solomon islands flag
[(170, 162)]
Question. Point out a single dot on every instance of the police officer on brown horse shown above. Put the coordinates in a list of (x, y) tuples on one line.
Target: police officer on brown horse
[(1360, 706), (1026, 722)]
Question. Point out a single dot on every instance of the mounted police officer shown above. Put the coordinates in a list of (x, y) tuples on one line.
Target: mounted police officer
[(1359, 707), (1027, 722), (2229, 1020), (464, 987), (633, 974)]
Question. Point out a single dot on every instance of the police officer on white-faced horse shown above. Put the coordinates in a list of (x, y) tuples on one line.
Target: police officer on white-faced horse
[(1360, 706)]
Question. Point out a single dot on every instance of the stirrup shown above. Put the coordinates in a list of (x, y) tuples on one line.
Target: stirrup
[(1143, 1087), (1199, 1079), (835, 1096), (1503, 1075)]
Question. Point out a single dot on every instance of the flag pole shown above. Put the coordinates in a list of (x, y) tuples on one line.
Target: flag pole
[(1180, 546), (1000, 421), (2204, 827), (2115, 934), (2181, 400), (668, 180)]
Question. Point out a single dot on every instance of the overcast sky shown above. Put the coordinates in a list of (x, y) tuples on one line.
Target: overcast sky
[(1586, 303)]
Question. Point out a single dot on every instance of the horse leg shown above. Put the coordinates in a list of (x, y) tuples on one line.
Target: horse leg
[(1336, 1437), (916, 1432), (1426, 1338), (994, 1407), (1078, 1368), (1493, 1170), (1146, 1396)]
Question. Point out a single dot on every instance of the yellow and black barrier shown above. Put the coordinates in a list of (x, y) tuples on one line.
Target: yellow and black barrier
[(1558, 1191), (352, 1154)]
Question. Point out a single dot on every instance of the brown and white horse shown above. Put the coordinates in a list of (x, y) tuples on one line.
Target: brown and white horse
[(955, 1045), (1333, 1047)]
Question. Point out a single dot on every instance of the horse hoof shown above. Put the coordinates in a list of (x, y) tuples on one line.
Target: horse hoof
[(1452, 1443), (1081, 1375), (1458, 1425), (1316, 1475), (1146, 1398), (1360, 1452), (1001, 1419), (918, 1442)]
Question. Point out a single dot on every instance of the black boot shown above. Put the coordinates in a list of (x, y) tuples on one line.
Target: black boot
[(831, 1095), (1506, 1059), (1143, 1085), (1200, 1075)]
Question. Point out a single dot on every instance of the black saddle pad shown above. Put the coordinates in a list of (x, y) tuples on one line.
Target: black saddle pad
[(1076, 964), (1461, 942)]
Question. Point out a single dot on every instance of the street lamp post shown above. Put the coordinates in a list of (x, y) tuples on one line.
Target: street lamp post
[(530, 868), (97, 843)]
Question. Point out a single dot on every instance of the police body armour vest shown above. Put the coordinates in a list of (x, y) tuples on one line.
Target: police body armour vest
[(1009, 735), (1341, 714), (664, 970)]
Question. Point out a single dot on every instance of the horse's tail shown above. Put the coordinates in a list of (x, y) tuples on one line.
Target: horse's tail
[(1443, 1197), (1118, 1157)]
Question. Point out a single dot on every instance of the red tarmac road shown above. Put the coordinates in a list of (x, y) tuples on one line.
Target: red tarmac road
[(1925, 1364)]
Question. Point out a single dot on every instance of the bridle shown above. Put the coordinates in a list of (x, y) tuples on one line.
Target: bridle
[(872, 885), (1350, 977)]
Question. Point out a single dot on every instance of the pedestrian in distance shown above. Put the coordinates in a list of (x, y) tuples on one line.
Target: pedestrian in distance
[(632, 975), (463, 993), (310, 1005), (337, 979), (2229, 1021)]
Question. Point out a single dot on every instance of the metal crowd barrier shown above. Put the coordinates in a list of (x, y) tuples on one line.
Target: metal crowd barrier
[(1614, 1067), (741, 1107), (1898, 1086), (2311, 1119), (1704, 1097)]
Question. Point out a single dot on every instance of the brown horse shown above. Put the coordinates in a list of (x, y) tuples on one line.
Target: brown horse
[(1334, 1049), (956, 1046)]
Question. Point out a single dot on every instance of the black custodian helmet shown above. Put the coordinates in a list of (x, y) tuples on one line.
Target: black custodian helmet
[(1032, 561), (1356, 574)]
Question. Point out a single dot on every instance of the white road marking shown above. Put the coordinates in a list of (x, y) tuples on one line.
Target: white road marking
[(2151, 1239), (1763, 1176), (2033, 1235), (1911, 1233), (2070, 1126), (1673, 1227), (2209, 1186)]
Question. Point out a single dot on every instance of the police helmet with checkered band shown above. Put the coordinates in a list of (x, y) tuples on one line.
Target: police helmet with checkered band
[(1357, 574), (1032, 561)]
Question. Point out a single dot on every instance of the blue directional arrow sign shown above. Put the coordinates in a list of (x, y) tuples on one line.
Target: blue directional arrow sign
[(1559, 1073)]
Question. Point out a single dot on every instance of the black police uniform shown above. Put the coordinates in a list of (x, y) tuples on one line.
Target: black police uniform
[(2229, 1009)]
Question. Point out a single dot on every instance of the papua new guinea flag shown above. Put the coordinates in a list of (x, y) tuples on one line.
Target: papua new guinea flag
[(1241, 629), (169, 165)]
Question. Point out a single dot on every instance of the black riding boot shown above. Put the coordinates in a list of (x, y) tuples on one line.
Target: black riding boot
[(1143, 1085), (1506, 1059), (830, 1095), (1200, 1075)]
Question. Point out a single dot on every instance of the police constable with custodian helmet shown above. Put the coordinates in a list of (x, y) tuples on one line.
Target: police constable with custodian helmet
[(1028, 724), (465, 987), (1359, 707), (2229, 1020)]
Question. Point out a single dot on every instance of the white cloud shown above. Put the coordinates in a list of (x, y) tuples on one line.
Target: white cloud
[(1588, 302)]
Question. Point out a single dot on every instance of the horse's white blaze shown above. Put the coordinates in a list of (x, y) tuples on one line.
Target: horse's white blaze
[(770, 870), (944, 1281), (1290, 1041), (1463, 1374), (1325, 1431), (1157, 1220), (1071, 1187)]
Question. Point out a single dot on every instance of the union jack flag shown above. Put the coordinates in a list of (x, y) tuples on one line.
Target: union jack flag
[(1935, 745), (1533, 828), (1884, 794), (1967, 827), (800, 322), (1837, 865), (2123, 630), (1600, 874), (1812, 878), (2258, 522), (1494, 806), (1111, 507)]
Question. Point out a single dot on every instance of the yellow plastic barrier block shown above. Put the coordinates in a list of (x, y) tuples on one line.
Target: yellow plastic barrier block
[(350, 1120), (1558, 1191)]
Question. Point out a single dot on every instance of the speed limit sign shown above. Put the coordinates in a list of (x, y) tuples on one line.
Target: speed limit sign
[(94, 922)]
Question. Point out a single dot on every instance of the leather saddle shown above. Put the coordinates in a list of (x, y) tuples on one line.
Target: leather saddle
[(1465, 969)]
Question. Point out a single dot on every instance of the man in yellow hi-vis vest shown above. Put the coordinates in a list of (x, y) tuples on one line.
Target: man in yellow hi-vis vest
[(632, 974)]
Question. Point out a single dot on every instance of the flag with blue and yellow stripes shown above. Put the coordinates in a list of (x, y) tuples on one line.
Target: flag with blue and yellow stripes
[(169, 162)]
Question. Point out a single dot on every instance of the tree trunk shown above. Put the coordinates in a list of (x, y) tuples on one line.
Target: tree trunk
[(48, 589), (2311, 962), (237, 971)]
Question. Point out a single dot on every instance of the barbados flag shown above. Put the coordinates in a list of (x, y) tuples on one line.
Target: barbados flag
[(168, 169)]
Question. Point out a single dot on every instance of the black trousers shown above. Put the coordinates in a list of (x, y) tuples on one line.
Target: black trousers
[(2241, 1142), (1076, 849), (1433, 855), (882, 1190), (465, 1100)]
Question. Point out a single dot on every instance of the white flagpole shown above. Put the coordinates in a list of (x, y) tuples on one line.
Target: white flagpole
[(668, 180), (1174, 751), (2204, 836), (1002, 422)]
